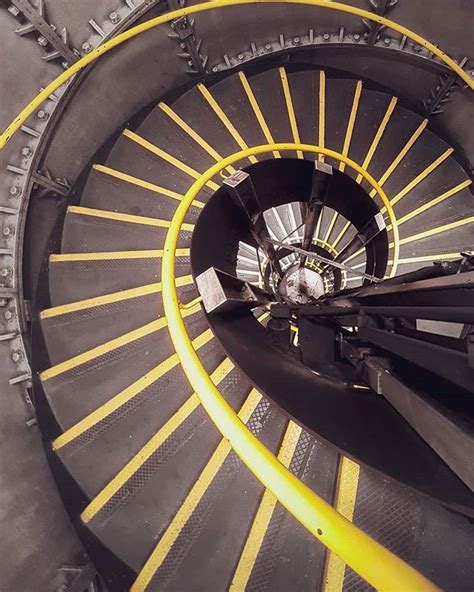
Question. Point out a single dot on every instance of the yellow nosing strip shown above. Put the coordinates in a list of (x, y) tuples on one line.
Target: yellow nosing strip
[(420, 177), (173, 423), (434, 231), (345, 497), (290, 109), (322, 113), (167, 157), (114, 255), (423, 258), (225, 120), (434, 202), (378, 136), (401, 155), (144, 184), (188, 506), (185, 280), (351, 123), (263, 516), (126, 395), (258, 112), (120, 217), (109, 346), (341, 234), (330, 226), (193, 134)]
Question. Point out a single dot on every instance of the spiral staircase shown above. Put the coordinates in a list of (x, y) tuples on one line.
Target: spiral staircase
[(160, 497)]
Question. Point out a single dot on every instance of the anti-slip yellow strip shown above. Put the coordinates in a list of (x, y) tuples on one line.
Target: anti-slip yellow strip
[(121, 217), (378, 136), (429, 258), (166, 157), (192, 133), (126, 395), (290, 109), (401, 155), (109, 346), (155, 288), (114, 255), (258, 112), (435, 231), (351, 123), (344, 502), (263, 516), (381, 568), (43, 95), (163, 434), (188, 506), (322, 113), (225, 120)]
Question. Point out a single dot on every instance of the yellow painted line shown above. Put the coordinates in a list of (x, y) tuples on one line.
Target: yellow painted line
[(121, 217), (429, 169), (354, 255), (102, 49), (377, 565), (110, 298), (193, 134), (434, 202), (163, 434), (225, 120), (378, 136), (330, 226), (113, 255), (435, 231), (322, 112), (110, 346), (263, 516), (188, 506), (423, 258), (167, 157), (258, 112), (341, 234), (141, 183), (344, 502), (401, 155), (351, 123), (290, 109), (126, 395)]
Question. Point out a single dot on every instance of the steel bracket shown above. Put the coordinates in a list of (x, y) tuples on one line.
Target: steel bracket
[(190, 45), (442, 92)]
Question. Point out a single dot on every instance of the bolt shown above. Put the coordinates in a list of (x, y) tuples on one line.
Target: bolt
[(387, 40), (268, 46), (182, 45), (15, 191), (472, 73), (16, 356), (296, 40), (86, 47), (26, 152), (214, 69), (8, 231), (42, 41), (241, 56), (3, 302), (5, 272), (357, 37), (42, 114), (114, 17), (326, 36), (8, 315)]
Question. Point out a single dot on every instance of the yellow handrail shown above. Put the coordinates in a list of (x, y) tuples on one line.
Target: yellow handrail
[(381, 568), (165, 18)]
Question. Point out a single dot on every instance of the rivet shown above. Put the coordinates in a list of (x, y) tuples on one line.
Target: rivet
[(357, 37), (16, 356), (5, 272), (8, 231), (42, 114), (296, 40), (214, 69), (15, 191), (268, 46), (86, 47), (114, 17), (26, 151), (8, 315), (326, 36), (387, 40)]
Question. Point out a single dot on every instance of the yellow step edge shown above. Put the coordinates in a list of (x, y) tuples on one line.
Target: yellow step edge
[(344, 502), (341, 234), (193, 134), (429, 258), (121, 217), (188, 506), (264, 515), (111, 345), (126, 395), (401, 155), (142, 183), (290, 109), (258, 112), (224, 119), (435, 231), (350, 125), (322, 113), (154, 288), (173, 423), (114, 255), (167, 157), (378, 136)]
